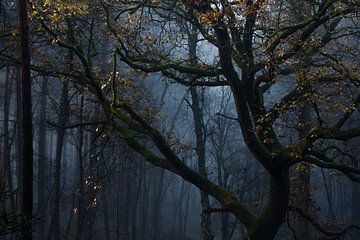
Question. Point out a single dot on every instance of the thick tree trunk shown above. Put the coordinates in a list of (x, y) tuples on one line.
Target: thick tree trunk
[(270, 220), (27, 137)]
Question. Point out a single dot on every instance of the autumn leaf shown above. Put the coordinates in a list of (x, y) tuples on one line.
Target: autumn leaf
[(46, 3)]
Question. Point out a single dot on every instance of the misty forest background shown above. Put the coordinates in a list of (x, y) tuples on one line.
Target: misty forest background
[(181, 120)]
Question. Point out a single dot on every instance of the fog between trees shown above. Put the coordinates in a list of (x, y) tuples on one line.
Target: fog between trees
[(183, 120)]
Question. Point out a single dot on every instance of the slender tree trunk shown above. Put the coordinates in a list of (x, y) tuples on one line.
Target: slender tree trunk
[(91, 189), (355, 196), (80, 209), (180, 212), (2, 165), (304, 169), (71, 217), (7, 146), (187, 203), (145, 200), (104, 196), (224, 216), (106, 213), (41, 204), (118, 197), (19, 133), (62, 120), (126, 210), (157, 202), (27, 137), (200, 145), (135, 205), (225, 226), (52, 136), (303, 181), (200, 151), (303, 199)]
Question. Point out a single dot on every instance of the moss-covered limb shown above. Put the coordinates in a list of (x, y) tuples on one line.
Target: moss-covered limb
[(227, 199), (336, 134), (73, 47), (309, 28), (294, 96), (249, 103), (141, 149), (129, 10), (320, 228), (13, 61), (249, 28), (149, 65), (235, 29), (345, 117), (322, 156), (267, 224), (284, 104), (139, 63), (268, 76), (286, 32), (304, 145), (308, 25), (241, 100), (174, 164), (351, 172), (89, 79), (264, 130), (195, 81)]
